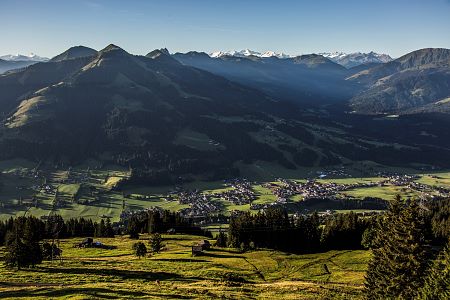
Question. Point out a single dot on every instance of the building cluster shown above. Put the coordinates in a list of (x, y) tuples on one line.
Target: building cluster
[(312, 189), (241, 194), (400, 179), (200, 204)]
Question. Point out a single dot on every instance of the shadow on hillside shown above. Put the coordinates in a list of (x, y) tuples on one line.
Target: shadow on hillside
[(179, 237), (180, 260), (216, 249), (123, 274), (209, 254), (95, 293)]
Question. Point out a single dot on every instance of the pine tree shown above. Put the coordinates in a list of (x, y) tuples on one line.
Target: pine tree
[(109, 231), (16, 251), (156, 243), (31, 240), (132, 229), (221, 240), (400, 253), (100, 229), (437, 284), (154, 222), (368, 237)]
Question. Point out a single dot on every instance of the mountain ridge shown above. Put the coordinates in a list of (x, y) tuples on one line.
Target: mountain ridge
[(350, 60), (74, 52), (406, 83)]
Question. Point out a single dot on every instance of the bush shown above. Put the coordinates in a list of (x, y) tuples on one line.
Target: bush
[(139, 249), (232, 279)]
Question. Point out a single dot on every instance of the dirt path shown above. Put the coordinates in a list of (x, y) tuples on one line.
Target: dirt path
[(30, 284)]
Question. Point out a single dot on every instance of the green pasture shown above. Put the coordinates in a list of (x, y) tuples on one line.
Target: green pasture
[(175, 274)]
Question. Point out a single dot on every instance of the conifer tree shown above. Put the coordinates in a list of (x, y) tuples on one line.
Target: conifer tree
[(31, 240), (100, 229), (16, 251), (400, 253), (109, 231), (437, 284), (154, 222), (156, 243), (221, 240), (132, 229)]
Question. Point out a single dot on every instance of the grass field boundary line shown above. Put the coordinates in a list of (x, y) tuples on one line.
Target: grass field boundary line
[(321, 260), (257, 271)]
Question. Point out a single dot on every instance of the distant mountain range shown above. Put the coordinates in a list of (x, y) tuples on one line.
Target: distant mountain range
[(13, 62), (20, 57), (248, 52), (347, 60), (307, 79), (376, 85), (191, 114), (350, 60), (6, 65)]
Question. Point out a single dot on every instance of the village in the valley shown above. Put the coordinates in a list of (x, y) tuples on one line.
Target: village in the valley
[(241, 192), (52, 191)]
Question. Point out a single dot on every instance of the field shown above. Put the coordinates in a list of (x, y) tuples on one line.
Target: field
[(175, 274), (88, 190)]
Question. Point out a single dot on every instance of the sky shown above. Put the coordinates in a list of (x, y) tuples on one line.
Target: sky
[(395, 27)]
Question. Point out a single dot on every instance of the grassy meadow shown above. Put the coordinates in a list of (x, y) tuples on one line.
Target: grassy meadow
[(175, 274)]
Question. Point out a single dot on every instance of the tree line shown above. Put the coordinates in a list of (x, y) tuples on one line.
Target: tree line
[(29, 240), (275, 229), (56, 227), (154, 221)]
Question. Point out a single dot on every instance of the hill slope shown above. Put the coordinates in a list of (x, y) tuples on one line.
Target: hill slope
[(409, 82)]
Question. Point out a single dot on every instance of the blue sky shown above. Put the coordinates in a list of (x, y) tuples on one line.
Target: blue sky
[(48, 27)]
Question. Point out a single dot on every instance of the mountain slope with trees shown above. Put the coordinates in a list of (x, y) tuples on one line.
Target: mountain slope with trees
[(410, 82)]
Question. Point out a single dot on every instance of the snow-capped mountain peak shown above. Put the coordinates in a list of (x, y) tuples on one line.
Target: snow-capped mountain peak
[(248, 52), (275, 54), (21, 57), (357, 58)]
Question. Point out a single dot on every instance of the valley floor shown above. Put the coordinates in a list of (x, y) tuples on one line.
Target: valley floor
[(88, 190), (88, 273)]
